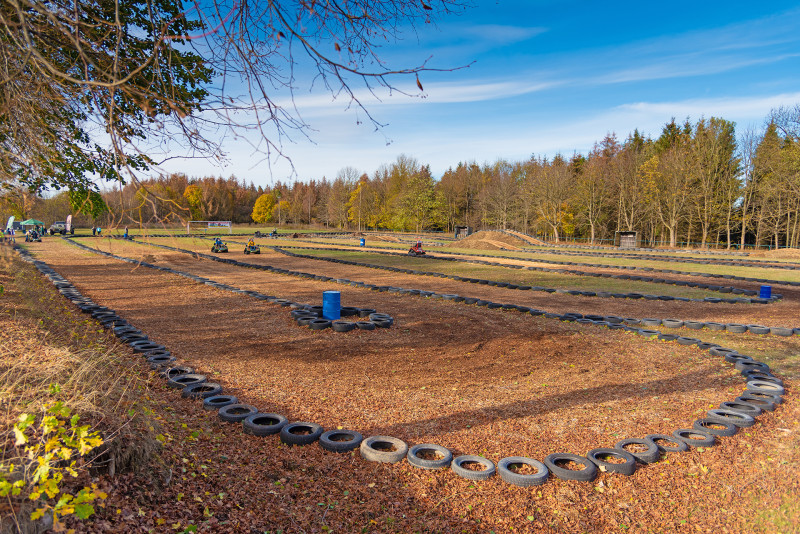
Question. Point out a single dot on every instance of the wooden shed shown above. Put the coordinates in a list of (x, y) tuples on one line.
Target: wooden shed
[(628, 239)]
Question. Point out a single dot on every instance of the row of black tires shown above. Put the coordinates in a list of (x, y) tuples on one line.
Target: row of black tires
[(602, 294), (571, 316), (375, 320), (763, 393)]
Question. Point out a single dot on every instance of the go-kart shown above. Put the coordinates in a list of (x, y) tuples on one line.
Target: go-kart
[(216, 249), (254, 249), (416, 252)]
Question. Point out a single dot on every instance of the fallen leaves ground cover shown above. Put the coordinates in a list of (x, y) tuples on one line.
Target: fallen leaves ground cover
[(475, 380)]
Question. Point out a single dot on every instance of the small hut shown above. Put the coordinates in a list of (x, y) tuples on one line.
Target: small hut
[(628, 239)]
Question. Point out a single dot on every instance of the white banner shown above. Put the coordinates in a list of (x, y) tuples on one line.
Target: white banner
[(69, 222), (10, 222)]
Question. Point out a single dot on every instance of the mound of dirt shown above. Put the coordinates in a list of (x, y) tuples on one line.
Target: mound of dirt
[(488, 240)]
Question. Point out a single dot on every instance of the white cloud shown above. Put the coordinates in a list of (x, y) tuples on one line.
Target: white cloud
[(501, 34)]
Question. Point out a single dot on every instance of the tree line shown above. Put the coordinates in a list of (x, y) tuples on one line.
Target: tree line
[(695, 183)]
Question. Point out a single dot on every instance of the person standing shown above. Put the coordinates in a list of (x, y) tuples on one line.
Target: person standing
[(126, 233), (94, 230), (13, 239)]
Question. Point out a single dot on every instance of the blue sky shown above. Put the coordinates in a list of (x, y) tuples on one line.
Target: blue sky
[(546, 77)]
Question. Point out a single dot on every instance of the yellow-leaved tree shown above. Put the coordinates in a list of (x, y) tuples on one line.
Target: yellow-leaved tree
[(262, 209)]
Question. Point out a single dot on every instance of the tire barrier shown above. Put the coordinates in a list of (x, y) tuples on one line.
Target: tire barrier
[(442, 456), (602, 321), (763, 392), (439, 256), (722, 289), (314, 322), (458, 467), (539, 477), (600, 294), (384, 449)]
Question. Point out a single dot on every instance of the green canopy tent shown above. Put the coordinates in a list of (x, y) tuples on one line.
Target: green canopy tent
[(32, 222)]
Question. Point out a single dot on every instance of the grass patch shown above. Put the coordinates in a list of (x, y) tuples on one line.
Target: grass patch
[(514, 276)]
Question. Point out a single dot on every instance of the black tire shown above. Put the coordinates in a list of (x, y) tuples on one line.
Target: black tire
[(707, 425), (172, 372), (695, 437), (340, 440), (538, 478), (587, 474), (159, 361), (290, 436), (127, 338), (234, 413), (648, 456), (382, 324), (694, 325), (734, 357), (764, 403), (751, 374), (751, 365), (365, 312), (749, 409), (365, 325), (218, 401), (742, 420), (202, 391), (458, 467), (779, 331), (157, 352), (319, 324), (736, 328), (380, 317), (762, 386), (627, 468), (687, 341), (440, 463), (371, 449), (145, 346), (774, 399), (348, 311), (263, 424), (181, 381), (677, 444), (342, 326)]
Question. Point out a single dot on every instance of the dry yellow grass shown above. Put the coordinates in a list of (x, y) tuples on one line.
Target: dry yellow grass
[(51, 352)]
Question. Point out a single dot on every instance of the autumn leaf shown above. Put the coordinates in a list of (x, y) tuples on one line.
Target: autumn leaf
[(419, 84)]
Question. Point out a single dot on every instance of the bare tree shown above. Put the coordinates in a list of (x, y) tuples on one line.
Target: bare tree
[(111, 89)]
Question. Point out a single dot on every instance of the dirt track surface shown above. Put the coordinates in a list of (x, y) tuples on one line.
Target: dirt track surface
[(776, 314), (477, 381)]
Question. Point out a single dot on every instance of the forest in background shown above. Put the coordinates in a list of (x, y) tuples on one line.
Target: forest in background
[(698, 183)]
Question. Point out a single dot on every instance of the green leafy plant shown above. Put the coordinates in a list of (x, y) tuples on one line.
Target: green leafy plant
[(50, 450)]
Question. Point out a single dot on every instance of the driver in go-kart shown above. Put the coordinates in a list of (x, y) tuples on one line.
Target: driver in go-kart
[(218, 241), (251, 243), (417, 247)]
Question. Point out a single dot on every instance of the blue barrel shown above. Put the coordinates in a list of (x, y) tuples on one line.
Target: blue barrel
[(766, 292), (363, 241), (331, 305)]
